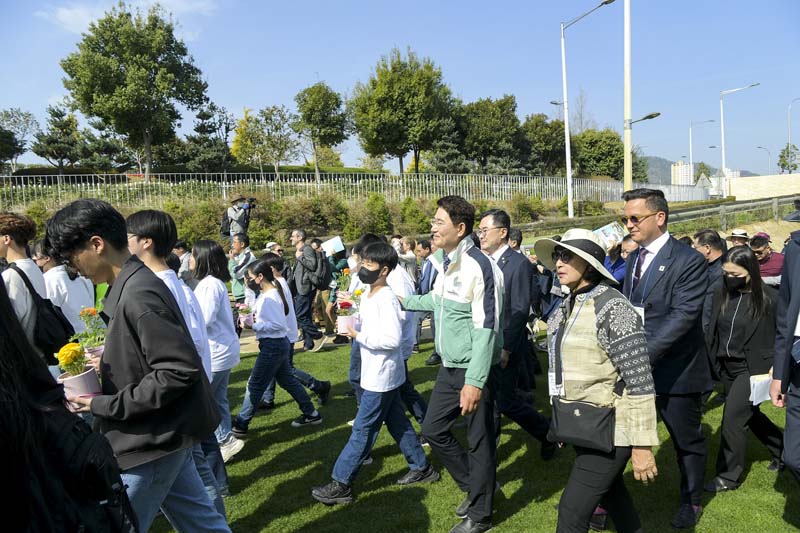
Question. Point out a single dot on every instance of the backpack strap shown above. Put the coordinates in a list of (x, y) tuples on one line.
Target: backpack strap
[(35, 295)]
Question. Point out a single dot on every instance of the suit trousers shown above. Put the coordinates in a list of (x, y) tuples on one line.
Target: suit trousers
[(472, 469), (738, 416), (511, 405), (791, 435), (682, 414), (596, 478)]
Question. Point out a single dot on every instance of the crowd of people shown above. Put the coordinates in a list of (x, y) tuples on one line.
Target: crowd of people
[(637, 331)]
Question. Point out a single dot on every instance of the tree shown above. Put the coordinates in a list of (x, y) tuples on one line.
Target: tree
[(787, 159), (373, 163), (546, 138), (702, 168), (131, 71), (61, 143), (402, 108), (328, 157), (493, 129), (280, 142), (599, 153), (207, 149), (10, 147), (581, 119), (23, 125), (103, 150), (323, 119), (640, 165)]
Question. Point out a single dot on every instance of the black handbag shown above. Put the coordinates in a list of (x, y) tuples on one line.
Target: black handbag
[(580, 423)]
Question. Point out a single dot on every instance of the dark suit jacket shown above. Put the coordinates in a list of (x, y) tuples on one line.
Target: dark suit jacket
[(517, 276), (788, 309), (715, 281), (759, 344), (672, 292), (427, 275)]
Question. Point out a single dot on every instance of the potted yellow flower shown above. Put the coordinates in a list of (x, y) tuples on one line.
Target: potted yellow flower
[(78, 378)]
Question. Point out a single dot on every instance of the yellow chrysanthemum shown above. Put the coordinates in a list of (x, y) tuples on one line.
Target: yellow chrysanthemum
[(71, 358)]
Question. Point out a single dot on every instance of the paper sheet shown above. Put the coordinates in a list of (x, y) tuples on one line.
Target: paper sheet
[(759, 388)]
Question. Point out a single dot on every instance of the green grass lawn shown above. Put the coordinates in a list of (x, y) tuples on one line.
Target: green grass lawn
[(271, 479)]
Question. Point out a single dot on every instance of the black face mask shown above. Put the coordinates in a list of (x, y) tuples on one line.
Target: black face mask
[(734, 283), (253, 285), (368, 277)]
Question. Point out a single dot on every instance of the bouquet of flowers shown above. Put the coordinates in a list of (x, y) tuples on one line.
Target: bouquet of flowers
[(346, 308), (95, 333), (244, 309), (245, 315)]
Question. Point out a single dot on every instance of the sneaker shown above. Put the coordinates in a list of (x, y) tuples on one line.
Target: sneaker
[(368, 460), (340, 339), (415, 348), (423, 441), (230, 447), (350, 394), (307, 420), (776, 465), (324, 392), (351, 423), (687, 516), (266, 406), (318, 344), (239, 428), (333, 493), (427, 475), (433, 360)]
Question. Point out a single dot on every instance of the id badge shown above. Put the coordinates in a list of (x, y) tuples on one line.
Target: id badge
[(639, 311), (553, 388)]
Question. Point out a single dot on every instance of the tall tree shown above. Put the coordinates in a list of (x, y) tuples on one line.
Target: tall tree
[(640, 165), (10, 146), (278, 137), (599, 153), (787, 159), (702, 168), (23, 125), (61, 143), (323, 119), (546, 138), (329, 157), (402, 108), (131, 71), (493, 129), (103, 150), (373, 163), (207, 149)]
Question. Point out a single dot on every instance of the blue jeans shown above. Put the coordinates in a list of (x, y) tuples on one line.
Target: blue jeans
[(355, 370), (272, 363), (172, 484), (302, 309), (207, 477), (412, 399), (219, 388), (308, 381), (375, 408)]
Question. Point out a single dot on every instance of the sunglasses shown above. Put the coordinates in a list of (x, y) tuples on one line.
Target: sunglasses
[(635, 219), (563, 255)]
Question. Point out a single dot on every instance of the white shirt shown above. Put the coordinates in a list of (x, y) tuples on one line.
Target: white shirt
[(380, 340), (71, 295), (652, 250), (192, 315), (401, 284), (499, 253), (408, 260), (21, 299), (291, 318), (269, 320), (212, 295)]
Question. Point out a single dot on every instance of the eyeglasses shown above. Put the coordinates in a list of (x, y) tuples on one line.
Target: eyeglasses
[(563, 255), (761, 252), (635, 219), (437, 223), (482, 232)]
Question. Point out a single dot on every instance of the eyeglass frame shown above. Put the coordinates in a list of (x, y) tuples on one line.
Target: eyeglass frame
[(559, 255), (481, 232), (638, 220)]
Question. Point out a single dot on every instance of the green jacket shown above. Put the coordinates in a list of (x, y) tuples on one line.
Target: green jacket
[(467, 305)]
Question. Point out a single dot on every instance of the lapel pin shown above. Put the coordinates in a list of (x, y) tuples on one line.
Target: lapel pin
[(661, 268)]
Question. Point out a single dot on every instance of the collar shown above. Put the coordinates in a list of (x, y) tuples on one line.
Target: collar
[(499, 253), (131, 265), (437, 259), (654, 247)]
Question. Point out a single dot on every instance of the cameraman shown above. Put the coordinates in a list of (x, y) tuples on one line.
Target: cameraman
[(239, 214)]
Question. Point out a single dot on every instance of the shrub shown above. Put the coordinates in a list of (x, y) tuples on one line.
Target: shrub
[(197, 220), (413, 217), (38, 212), (583, 208), (523, 209), (371, 216)]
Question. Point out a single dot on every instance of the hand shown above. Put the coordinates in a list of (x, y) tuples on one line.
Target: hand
[(80, 404), (351, 333), (540, 268), (775, 394), (400, 299), (611, 245), (94, 362), (470, 396), (504, 355), (644, 464), (532, 259)]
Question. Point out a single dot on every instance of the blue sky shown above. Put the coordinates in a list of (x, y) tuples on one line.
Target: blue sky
[(255, 54)]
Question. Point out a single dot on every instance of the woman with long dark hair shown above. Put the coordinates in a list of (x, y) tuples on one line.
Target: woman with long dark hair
[(741, 337)]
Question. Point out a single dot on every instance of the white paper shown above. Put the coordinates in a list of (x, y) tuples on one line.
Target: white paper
[(611, 232), (759, 388), (331, 246), (639, 311)]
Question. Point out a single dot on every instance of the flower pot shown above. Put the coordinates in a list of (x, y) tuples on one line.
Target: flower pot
[(343, 323), (246, 321), (84, 385), (95, 352)]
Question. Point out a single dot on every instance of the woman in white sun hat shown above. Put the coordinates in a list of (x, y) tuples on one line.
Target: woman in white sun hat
[(601, 386)]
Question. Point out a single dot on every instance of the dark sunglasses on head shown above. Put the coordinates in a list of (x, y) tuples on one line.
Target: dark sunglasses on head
[(562, 254), (635, 219)]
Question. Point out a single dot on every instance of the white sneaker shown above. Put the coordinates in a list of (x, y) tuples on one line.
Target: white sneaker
[(351, 422), (230, 448)]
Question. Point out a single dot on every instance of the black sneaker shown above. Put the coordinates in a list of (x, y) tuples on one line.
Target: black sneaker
[(333, 493), (433, 360), (307, 420), (350, 394), (776, 465), (266, 406), (429, 475), (415, 348), (340, 339), (323, 392), (239, 428), (687, 516)]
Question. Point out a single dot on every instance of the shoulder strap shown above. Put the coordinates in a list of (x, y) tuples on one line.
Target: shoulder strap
[(35, 295)]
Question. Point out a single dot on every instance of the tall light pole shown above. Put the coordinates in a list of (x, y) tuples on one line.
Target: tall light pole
[(564, 26), (722, 131), (691, 151), (627, 134), (769, 154)]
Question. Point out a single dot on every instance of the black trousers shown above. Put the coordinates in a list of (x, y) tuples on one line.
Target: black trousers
[(472, 469), (791, 436), (596, 478), (511, 405), (682, 414), (738, 416)]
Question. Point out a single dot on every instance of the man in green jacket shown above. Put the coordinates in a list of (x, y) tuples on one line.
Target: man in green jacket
[(467, 302)]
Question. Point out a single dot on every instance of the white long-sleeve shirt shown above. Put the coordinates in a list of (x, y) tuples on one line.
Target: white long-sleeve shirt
[(380, 340), (192, 315), (291, 318), (70, 295), (212, 295), (269, 320), (402, 285)]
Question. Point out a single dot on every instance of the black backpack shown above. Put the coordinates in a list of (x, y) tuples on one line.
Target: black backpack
[(52, 330), (225, 226), (321, 277)]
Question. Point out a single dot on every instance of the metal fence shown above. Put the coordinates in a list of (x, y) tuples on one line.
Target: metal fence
[(21, 192)]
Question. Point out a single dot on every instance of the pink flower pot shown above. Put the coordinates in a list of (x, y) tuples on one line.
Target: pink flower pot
[(95, 352), (84, 385), (343, 323), (246, 321)]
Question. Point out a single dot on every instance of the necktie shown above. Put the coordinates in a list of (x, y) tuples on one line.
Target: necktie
[(637, 274), (446, 263)]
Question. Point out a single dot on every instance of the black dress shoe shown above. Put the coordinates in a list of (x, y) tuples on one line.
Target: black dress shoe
[(776, 465), (720, 485), (687, 516), (469, 526), (433, 360)]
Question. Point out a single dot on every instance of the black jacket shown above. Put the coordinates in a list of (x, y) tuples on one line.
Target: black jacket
[(517, 276), (787, 312), (759, 344), (156, 397)]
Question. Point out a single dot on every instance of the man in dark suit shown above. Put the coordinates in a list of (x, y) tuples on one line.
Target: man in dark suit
[(517, 276), (785, 387), (426, 278), (667, 283)]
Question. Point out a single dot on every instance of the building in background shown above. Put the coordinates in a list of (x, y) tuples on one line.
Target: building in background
[(682, 173)]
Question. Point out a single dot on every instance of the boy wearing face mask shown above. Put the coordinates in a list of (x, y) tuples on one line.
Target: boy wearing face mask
[(382, 375)]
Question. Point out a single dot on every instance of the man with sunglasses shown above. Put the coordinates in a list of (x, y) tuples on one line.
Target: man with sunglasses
[(666, 282), (770, 262)]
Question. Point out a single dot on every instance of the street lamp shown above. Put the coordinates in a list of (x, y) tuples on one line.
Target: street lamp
[(722, 130), (769, 154), (691, 151), (564, 26), (559, 104)]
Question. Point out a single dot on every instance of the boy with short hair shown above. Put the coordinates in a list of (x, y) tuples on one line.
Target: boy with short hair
[(382, 375)]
